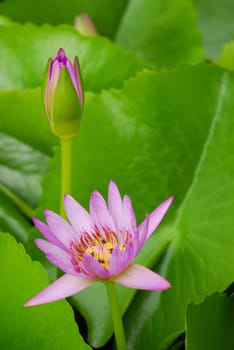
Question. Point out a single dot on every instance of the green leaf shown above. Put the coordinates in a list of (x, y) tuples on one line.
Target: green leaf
[(162, 120), (226, 59), (137, 118), (210, 324), (50, 326), (21, 168), (5, 21), (23, 118), (11, 218), (26, 143), (23, 122), (195, 263), (24, 56), (164, 33), (215, 20), (105, 17)]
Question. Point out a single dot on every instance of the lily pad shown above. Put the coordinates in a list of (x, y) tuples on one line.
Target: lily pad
[(210, 324), (194, 263), (215, 20), (105, 17), (163, 32), (49, 326), (24, 57)]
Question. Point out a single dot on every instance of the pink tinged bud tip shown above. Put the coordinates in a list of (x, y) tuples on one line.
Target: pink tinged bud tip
[(85, 25), (98, 246)]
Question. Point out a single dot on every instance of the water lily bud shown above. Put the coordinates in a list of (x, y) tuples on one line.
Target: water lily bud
[(63, 95), (85, 25)]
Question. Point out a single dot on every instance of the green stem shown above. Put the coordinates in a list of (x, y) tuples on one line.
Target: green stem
[(19, 203), (116, 316), (66, 165)]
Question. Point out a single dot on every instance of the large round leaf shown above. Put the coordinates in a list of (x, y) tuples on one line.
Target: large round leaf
[(203, 231), (215, 20), (210, 325), (24, 56), (105, 17), (163, 32), (50, 326), (26, 143)]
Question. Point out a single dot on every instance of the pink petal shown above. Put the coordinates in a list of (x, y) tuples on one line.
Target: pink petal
[(100, 213), (120, 260), (60, 52), (78, 80), (56, 256), (60, 228), (53, 82), (94, 267), (64, 287), (141, 237), (47, 233), (71, 73), (139, 277), (156, 217), (78, 216), (115, 204), (128, 216), (49, 71)]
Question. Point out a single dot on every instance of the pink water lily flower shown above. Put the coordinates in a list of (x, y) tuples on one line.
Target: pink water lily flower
[(97, 246)]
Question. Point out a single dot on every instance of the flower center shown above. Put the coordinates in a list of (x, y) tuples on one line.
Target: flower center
[(99, 245)]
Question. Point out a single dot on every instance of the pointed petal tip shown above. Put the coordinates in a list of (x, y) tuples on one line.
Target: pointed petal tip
[(34, 301), (40, 225), (171, 198), (167, 202), (46, 211), (29, 303), (165, 284), (139, 277), (127, 203), (48, 67), (34, 220), (49, 63), (67, 200), (35, 240), (95, 193), (156, 216), (115, 204), (94, 198), (66, 197), (76, 63), (64, 287), (37, 222), (47, 214), (39, 242), (112, 183), (60, 52), (164, 206), (113, 191)]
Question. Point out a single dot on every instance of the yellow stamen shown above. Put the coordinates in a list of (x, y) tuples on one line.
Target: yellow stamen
[(99, 246)]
